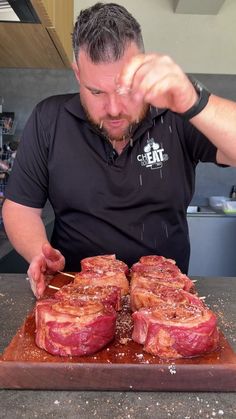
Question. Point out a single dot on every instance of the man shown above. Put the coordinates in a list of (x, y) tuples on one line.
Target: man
[(116, 162)]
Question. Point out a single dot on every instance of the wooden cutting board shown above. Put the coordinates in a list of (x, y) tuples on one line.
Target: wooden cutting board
[(122, 365)]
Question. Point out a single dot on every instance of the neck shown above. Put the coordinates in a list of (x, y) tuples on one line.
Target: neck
[(119, 145)]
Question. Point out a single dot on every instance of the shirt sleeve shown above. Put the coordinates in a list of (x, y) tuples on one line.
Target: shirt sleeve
[(28, 181), (200, 148)]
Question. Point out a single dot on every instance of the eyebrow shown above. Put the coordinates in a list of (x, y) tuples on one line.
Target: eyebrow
[(93, 89)]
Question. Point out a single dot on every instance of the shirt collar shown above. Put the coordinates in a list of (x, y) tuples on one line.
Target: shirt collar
[(73, 105)]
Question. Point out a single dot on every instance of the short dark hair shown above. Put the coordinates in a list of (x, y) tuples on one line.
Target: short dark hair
[(104, 31)]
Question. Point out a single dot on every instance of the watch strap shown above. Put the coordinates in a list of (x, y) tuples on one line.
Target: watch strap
[(201, 102)]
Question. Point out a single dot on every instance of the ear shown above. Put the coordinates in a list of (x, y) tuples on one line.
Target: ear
[(76, 70)]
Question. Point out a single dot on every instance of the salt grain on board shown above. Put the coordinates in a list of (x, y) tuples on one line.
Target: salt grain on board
[(172, 369)]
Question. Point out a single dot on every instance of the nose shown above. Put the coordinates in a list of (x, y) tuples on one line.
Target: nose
[(114, 105)]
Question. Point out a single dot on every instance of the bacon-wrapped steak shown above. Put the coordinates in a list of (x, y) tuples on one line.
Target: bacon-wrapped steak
[(157, 295), (158, 270), (112, 278), (63, 328), (108, 295), (183, 331), (168, 320), (156, 260), (164, 278), (103, 263)]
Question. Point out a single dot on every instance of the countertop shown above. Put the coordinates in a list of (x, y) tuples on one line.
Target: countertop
[(16, 300), (206, 211)]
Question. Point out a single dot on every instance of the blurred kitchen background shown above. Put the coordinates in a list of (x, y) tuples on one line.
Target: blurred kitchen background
[(35, 57)]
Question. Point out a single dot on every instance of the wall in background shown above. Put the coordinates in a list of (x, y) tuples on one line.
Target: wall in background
[(23, 88), (198, 43), (211, 179)]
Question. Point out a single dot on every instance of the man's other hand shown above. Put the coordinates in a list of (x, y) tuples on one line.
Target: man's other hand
[(43, 267)]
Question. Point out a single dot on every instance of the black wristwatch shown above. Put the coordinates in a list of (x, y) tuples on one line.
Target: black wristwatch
[(199, 105)]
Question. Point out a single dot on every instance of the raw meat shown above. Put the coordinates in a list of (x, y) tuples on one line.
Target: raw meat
[(112, 278), (168, 320), (103, 263), (155, 260), (164, 278), (160, 271), (108, 295), (157, 295), (63, 328), (183, 331)]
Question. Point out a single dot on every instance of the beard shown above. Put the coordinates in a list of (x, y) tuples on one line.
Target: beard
[(126, 134)]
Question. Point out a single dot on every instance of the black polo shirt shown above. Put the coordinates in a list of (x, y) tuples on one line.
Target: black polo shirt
[(132, 205)]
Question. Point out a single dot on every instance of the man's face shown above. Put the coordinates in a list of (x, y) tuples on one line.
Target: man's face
[(105, 107)]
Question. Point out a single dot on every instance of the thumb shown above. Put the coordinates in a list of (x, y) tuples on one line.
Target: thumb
[(50, 253)]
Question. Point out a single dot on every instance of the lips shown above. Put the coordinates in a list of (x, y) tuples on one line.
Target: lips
[(115, 122)]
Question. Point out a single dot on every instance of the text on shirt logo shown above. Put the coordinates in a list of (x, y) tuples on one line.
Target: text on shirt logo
[(153, 155)]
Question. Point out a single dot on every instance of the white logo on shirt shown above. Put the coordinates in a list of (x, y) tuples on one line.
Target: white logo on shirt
[(153, 156)]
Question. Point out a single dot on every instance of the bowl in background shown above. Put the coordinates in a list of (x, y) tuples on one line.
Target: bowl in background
[(216, 202), (229, 207)]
